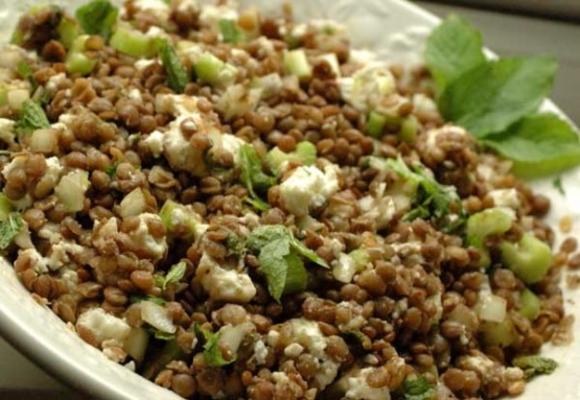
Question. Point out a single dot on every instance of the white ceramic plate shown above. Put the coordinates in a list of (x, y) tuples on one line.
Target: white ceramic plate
[(395, 30)]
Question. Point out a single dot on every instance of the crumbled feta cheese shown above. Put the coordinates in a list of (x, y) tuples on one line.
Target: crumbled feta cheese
[(37, 260), (157, 8), (228, 143), (447, 130), (237, 100), (357, 321), (211, 15), (485, 171), (309, 187), (359, 389), (378, 208), (155, 143), (104, 326), (293, 350), (7, 130), (361, 56), (307, 333), (368, 86), (70, 278), (344, 268), (55, 81), (59, 253), (224, 284), (143, 63), (154, 247), (260, 352), (505, 198), (272, 338)]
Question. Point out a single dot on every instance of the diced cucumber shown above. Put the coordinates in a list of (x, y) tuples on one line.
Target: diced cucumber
[(133, 204), (295, 63), (180, 221), (409, 128), (136, 343), (529, 304), (500, 334), (212, 70), (375, 124), (134, 43), (360, 257), (68, 30), (529, 259), (493, 221), (304, 153), (79, 63)]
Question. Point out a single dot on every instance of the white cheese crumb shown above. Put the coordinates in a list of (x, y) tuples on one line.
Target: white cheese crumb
[(104, 326), (505, 198), (309, 187), (156, 247), (260, 352), (155, 143), (293, 350), (366, 89), (224, 284), (358, 388)]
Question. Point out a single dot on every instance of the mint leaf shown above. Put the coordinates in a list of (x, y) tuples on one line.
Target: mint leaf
[(538, 145), (535, 365), (454, 47), (230, 31), (418, 388), (274, 266), (211, 350), (177, 76), (9, 228), (307, 253), (253, 177), (492, 96), (98, 17), (296, 275), (31, 118), (175, 274), (264, 234), (26, 73)]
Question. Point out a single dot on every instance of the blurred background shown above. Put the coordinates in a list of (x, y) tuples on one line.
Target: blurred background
[(510, 28)]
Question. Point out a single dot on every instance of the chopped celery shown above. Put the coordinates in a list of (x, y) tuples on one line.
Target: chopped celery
[(68, 30), (71, 189), (493, 221), (375, 124), (409, 128), (296, 63), (529, 259), (134, 43), (498, 333), (304, 153), (360, 257), (5, 207), (212, 70), (529, 304), (79, 63)]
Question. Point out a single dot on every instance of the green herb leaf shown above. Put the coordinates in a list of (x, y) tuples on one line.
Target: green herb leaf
[(211, 350), (274, 266), (557, 183), (307, 253), (418, 388), (279, 256), (492, 96), (175, 274), (98, 17), (160, 335), (252, 175), (230, 31), (111, 170), (31, 118), (540, 144), (139, 298), (432, 199), (454, 47), (9, 229), (25, 72), (177, 76), (535, 365)]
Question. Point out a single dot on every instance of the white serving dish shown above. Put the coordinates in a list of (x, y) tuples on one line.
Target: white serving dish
[(395, 29)]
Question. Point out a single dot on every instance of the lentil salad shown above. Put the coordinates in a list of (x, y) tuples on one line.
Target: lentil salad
[(260, 232)]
